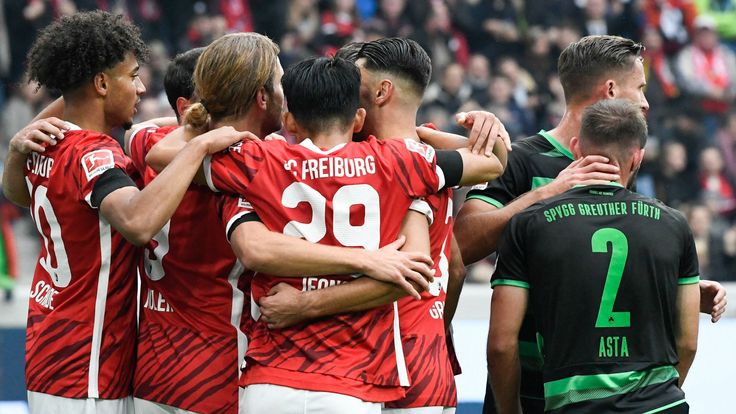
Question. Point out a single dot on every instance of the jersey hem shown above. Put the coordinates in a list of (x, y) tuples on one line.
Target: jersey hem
[(562, 392), (666, 407)]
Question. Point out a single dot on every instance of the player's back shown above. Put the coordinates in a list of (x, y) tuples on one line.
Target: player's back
[(190, 346), (81, 317), (604, 266), (355, 195)]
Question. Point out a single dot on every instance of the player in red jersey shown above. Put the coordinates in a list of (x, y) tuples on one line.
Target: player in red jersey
[(395, 72), (81, 318), (208, 88), (189, 340), (254, 53), (348, 354)]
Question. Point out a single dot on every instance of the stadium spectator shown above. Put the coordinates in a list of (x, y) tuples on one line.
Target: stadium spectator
[(673, 20), (707, 73), (716, 189), (726, 139)]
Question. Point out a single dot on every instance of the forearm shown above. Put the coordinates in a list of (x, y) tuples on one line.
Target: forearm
[(165, 151), (686, 336), (505, 373), (455, 281), (686, 356), (14, 184), (148, 210), (441, 140), (261, 250), (359, 295), (478, 168)]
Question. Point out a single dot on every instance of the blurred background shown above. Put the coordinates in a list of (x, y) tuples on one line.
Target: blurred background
[(496, 55)]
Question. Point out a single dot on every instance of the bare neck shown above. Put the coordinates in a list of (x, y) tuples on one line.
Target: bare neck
[(248, 122), (331, 138), (394, 121), (87, 114), (569, 126)]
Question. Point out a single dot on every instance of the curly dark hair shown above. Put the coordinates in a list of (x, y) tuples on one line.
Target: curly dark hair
[(73, 49)]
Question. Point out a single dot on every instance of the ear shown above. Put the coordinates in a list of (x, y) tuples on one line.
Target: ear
[(575, 148), (290, 123), (384, 93), (359, 120), (262, 98), (181, 105), (611, 88), (637, 159), (101, 83)]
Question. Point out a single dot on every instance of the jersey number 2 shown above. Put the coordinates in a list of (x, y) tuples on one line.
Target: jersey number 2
[(607, 318)]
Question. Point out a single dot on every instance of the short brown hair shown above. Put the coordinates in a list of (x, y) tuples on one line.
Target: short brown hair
[(612, 126), (583, 63), (229, 74)]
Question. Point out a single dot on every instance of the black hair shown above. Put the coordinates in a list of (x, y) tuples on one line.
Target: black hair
[(322, 92), (73, 49), (614, 124), (583, 63), (178, 81), (350, 51), (400, 57)]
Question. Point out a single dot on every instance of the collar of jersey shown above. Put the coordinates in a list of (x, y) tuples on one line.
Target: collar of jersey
[(72, 127), (566, 152), (307, 143), (611, 183)]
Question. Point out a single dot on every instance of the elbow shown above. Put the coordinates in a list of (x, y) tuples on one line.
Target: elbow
[(253, 255), (138, 232), (687, 349), (500, 349), (154, 161), (457, 272)]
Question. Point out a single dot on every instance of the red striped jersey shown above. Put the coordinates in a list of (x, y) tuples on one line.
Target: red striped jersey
[(422, 324), (81, 318), (354, 195), (190, 345)]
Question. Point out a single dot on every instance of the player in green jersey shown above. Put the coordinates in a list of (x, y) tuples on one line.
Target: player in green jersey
[(542, 166), (611, 277)]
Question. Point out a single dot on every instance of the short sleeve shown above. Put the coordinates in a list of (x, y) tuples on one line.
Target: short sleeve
[(231, 171), (511, 269), (94, 160), (511, 184), (689, 269), (415, 167), (141, 141), (234, 211)]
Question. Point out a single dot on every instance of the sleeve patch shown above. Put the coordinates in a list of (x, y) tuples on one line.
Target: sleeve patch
[(424, 150), (97, 162), (243, 203)]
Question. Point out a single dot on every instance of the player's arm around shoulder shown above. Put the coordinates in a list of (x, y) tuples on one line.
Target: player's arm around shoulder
[(33, 138), (139, 214)]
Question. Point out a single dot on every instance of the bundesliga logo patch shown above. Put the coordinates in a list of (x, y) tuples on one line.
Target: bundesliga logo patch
[(424, 150), (96, 162)]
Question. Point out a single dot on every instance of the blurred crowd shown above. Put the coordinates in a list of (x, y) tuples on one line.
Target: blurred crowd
[(496, 55)]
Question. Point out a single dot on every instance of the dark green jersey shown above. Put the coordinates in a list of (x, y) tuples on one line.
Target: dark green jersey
[(602, 265), (534, 162)]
